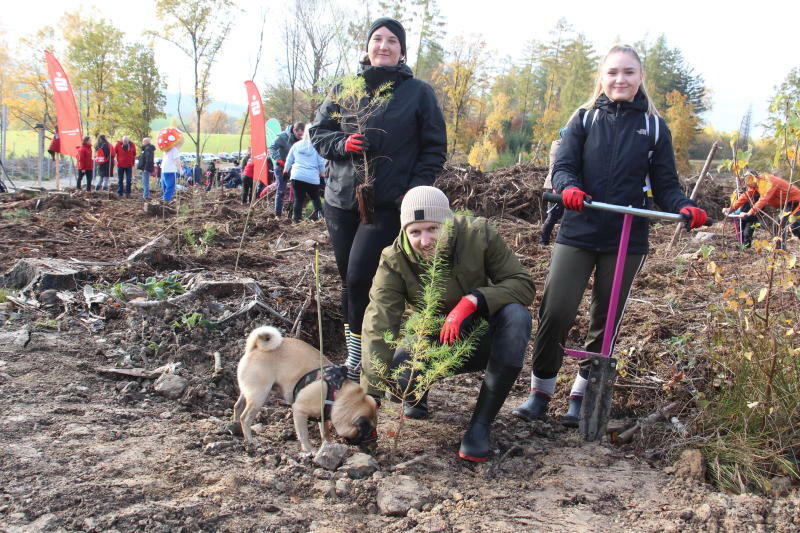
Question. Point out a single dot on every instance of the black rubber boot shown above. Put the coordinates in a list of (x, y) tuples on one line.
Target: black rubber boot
[(573, 417), (497, 384), (534, 408), (416, 410)]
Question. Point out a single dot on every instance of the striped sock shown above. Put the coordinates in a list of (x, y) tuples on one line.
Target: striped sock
[(543, 386), (578, 387), (354, 357)]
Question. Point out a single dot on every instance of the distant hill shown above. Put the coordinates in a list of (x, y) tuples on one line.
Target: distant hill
[(187, 106)]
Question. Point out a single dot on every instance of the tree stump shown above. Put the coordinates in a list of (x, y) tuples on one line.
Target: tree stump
[(154, 209), (43, 274)]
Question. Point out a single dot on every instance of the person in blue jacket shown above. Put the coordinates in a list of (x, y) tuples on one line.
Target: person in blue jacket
[(305, 167), (616, 149)]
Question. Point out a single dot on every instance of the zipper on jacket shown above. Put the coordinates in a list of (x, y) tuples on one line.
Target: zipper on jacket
[(614, 149)]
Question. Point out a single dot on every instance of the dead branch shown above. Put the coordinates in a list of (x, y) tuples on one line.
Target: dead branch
[(662, 414)]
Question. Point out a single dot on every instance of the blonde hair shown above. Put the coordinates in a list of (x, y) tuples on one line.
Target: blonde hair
[(598, 87)]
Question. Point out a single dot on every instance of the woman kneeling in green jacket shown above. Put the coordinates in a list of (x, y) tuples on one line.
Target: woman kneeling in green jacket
[(485, 280)]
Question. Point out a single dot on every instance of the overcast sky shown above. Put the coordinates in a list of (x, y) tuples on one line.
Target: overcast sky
[(743, 50)]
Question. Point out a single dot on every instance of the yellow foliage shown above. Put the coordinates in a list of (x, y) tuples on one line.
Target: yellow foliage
[(482, 154), (682, 121)]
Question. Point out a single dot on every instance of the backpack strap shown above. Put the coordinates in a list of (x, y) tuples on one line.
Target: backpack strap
[(653, 133), (586, 115)]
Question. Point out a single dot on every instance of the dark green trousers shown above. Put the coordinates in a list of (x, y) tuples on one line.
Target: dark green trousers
[(570, 268)]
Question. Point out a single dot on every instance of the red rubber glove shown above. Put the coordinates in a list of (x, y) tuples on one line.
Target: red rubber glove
[(696, 217), (356, 144), (573, 197), (452, 324), (281, 163)]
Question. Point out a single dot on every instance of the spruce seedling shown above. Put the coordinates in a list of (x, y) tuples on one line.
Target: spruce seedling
[(429, 360)]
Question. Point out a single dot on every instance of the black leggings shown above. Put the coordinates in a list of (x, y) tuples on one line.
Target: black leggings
[(247, 189), (502, 346), (300, 189), (358, 248), (88, 174)]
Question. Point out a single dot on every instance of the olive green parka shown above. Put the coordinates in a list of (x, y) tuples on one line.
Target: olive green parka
[(479, 260)]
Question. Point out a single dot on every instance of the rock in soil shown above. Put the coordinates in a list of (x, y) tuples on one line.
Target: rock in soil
[(360, 466), (397, 494), (690, 465), (330, 455), (171, 385)]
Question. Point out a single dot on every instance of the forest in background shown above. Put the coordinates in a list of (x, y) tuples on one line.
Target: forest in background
[(499, 111)]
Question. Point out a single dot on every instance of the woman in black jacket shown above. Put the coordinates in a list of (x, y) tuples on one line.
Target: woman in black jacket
[(616, 149), (405, 142)]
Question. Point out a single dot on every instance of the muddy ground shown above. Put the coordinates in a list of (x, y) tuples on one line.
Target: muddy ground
[(85, 449)]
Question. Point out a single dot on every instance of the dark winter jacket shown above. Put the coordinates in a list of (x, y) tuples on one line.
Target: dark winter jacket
[(608, 159), (146, 158), (407, 140), (104, 159), (280, 147), (481, 263)]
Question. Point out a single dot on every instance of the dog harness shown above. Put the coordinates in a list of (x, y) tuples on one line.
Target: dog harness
[(332, 375)]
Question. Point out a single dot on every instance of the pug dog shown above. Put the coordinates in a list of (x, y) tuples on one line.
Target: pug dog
[(272, 363)]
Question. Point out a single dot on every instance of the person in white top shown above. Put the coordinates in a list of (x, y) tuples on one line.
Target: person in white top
[(169, 141)]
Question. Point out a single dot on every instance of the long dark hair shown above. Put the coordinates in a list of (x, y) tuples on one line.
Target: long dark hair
[(101, 140)]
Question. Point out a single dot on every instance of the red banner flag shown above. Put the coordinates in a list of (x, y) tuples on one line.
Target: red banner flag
[(258, 135), (69, 122)]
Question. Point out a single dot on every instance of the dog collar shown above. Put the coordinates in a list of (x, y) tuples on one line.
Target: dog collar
[(332, 375)]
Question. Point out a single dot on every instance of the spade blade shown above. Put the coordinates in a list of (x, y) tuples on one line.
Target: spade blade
[(596, 406)]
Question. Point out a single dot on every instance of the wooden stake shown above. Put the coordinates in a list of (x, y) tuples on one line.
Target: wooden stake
[(703, 173), (57, 161)]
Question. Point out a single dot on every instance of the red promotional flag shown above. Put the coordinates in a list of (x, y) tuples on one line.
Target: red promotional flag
[(69, 123), (258, 135)]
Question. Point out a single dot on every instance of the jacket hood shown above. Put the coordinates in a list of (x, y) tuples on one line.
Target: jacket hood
[(305, 148), (639, 102), (375, 76)]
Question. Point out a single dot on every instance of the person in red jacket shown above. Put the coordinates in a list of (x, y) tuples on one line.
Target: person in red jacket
[(55, 146), (125, 153), (768, 190), (247, 180), (85, 162)]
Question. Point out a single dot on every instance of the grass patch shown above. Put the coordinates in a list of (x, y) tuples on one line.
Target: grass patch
[(23, 143), (16, 215)]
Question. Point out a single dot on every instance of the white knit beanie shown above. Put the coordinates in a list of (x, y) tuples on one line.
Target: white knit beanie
[(424, 204)]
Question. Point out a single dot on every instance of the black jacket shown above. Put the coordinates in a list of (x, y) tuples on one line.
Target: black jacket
[(146, 160), (608, 159), (279, 149), (407, 140)]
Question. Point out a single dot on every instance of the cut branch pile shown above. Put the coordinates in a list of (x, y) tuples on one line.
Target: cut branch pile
[(509, 192)]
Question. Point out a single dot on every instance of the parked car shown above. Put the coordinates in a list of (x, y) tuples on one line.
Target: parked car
[(224, 156)]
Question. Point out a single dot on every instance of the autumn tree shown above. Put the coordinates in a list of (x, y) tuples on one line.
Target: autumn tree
[(459, 80), (492, 142), (215, 122), (143, 93), (95, 57), (198, 28), (30, 99), (784, 124), (430, 52), (666, 70), (682, 122)]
